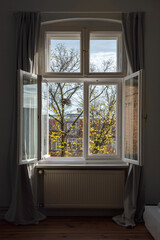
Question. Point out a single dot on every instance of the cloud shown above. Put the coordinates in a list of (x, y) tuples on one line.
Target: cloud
[(98, 58)]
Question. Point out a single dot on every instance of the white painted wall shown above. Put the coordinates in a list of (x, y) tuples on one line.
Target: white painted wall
[(152, 63)]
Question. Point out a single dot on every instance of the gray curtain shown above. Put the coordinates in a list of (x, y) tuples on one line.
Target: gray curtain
[(22, 209), (133, 29)]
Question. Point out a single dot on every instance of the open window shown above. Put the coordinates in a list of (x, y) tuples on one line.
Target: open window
[(80, 119), (27, 117), (44, 119), (132, 118), (33, 124), (87, 110)]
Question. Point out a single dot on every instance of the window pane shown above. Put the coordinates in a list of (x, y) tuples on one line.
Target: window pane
[(103, 53), (64, 54), (65, 119), (30, 118), (131, 118), (102, 119), (44, 119)]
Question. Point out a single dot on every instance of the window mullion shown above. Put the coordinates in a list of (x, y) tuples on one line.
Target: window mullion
[(39, 116), (85, 131), (85, 52)]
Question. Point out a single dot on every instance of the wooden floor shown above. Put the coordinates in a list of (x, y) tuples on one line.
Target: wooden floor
[(73, 228)]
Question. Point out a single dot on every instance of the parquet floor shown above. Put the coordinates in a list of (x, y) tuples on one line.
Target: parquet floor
[(73, 228)]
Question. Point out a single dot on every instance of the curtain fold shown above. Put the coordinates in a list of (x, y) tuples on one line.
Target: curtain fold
[(28, 29), (133, 198), (133, 29), (22, 209)]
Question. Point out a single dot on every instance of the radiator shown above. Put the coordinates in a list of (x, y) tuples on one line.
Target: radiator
[(83, 188)]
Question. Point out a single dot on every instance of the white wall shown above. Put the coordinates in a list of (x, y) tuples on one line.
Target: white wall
[(152, 63)]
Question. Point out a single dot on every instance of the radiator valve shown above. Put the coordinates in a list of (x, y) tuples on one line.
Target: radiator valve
[(40, 172)]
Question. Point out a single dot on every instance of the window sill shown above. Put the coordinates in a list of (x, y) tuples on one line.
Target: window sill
[(82, 165)]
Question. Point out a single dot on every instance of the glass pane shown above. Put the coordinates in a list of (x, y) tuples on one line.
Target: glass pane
[(30, 118), (64, 53), (103, 54), (131, 118), (102, 119), (44, 119), (65, 119)]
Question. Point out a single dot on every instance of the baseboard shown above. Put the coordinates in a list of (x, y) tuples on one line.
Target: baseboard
[(80, 212), (73, 212)]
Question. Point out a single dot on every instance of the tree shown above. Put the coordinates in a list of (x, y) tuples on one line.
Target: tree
[(107, 65), (63, 60), (66, 108), (102, 120), (61, 97)]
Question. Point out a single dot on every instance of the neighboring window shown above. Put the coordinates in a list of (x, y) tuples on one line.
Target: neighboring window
[(54, 145), (73, 144), (74, 129)]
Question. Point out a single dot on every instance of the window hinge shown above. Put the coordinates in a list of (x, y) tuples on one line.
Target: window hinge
[(146, 116)]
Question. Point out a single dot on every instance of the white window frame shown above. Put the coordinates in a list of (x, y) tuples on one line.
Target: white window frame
[(120, 158), (140, 160), (103, 35), (103, 157), (86, 77), (86, 158), (46, 36), (20, 75), (41, 155), (45, 52), (66, 35)]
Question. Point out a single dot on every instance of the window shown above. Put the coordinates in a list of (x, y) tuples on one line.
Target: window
[(66, 117), (133, 117), (105, 52), (88, 110), (27, 117), (102, 119), (84, 115), (63, 52), (44, 128)]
